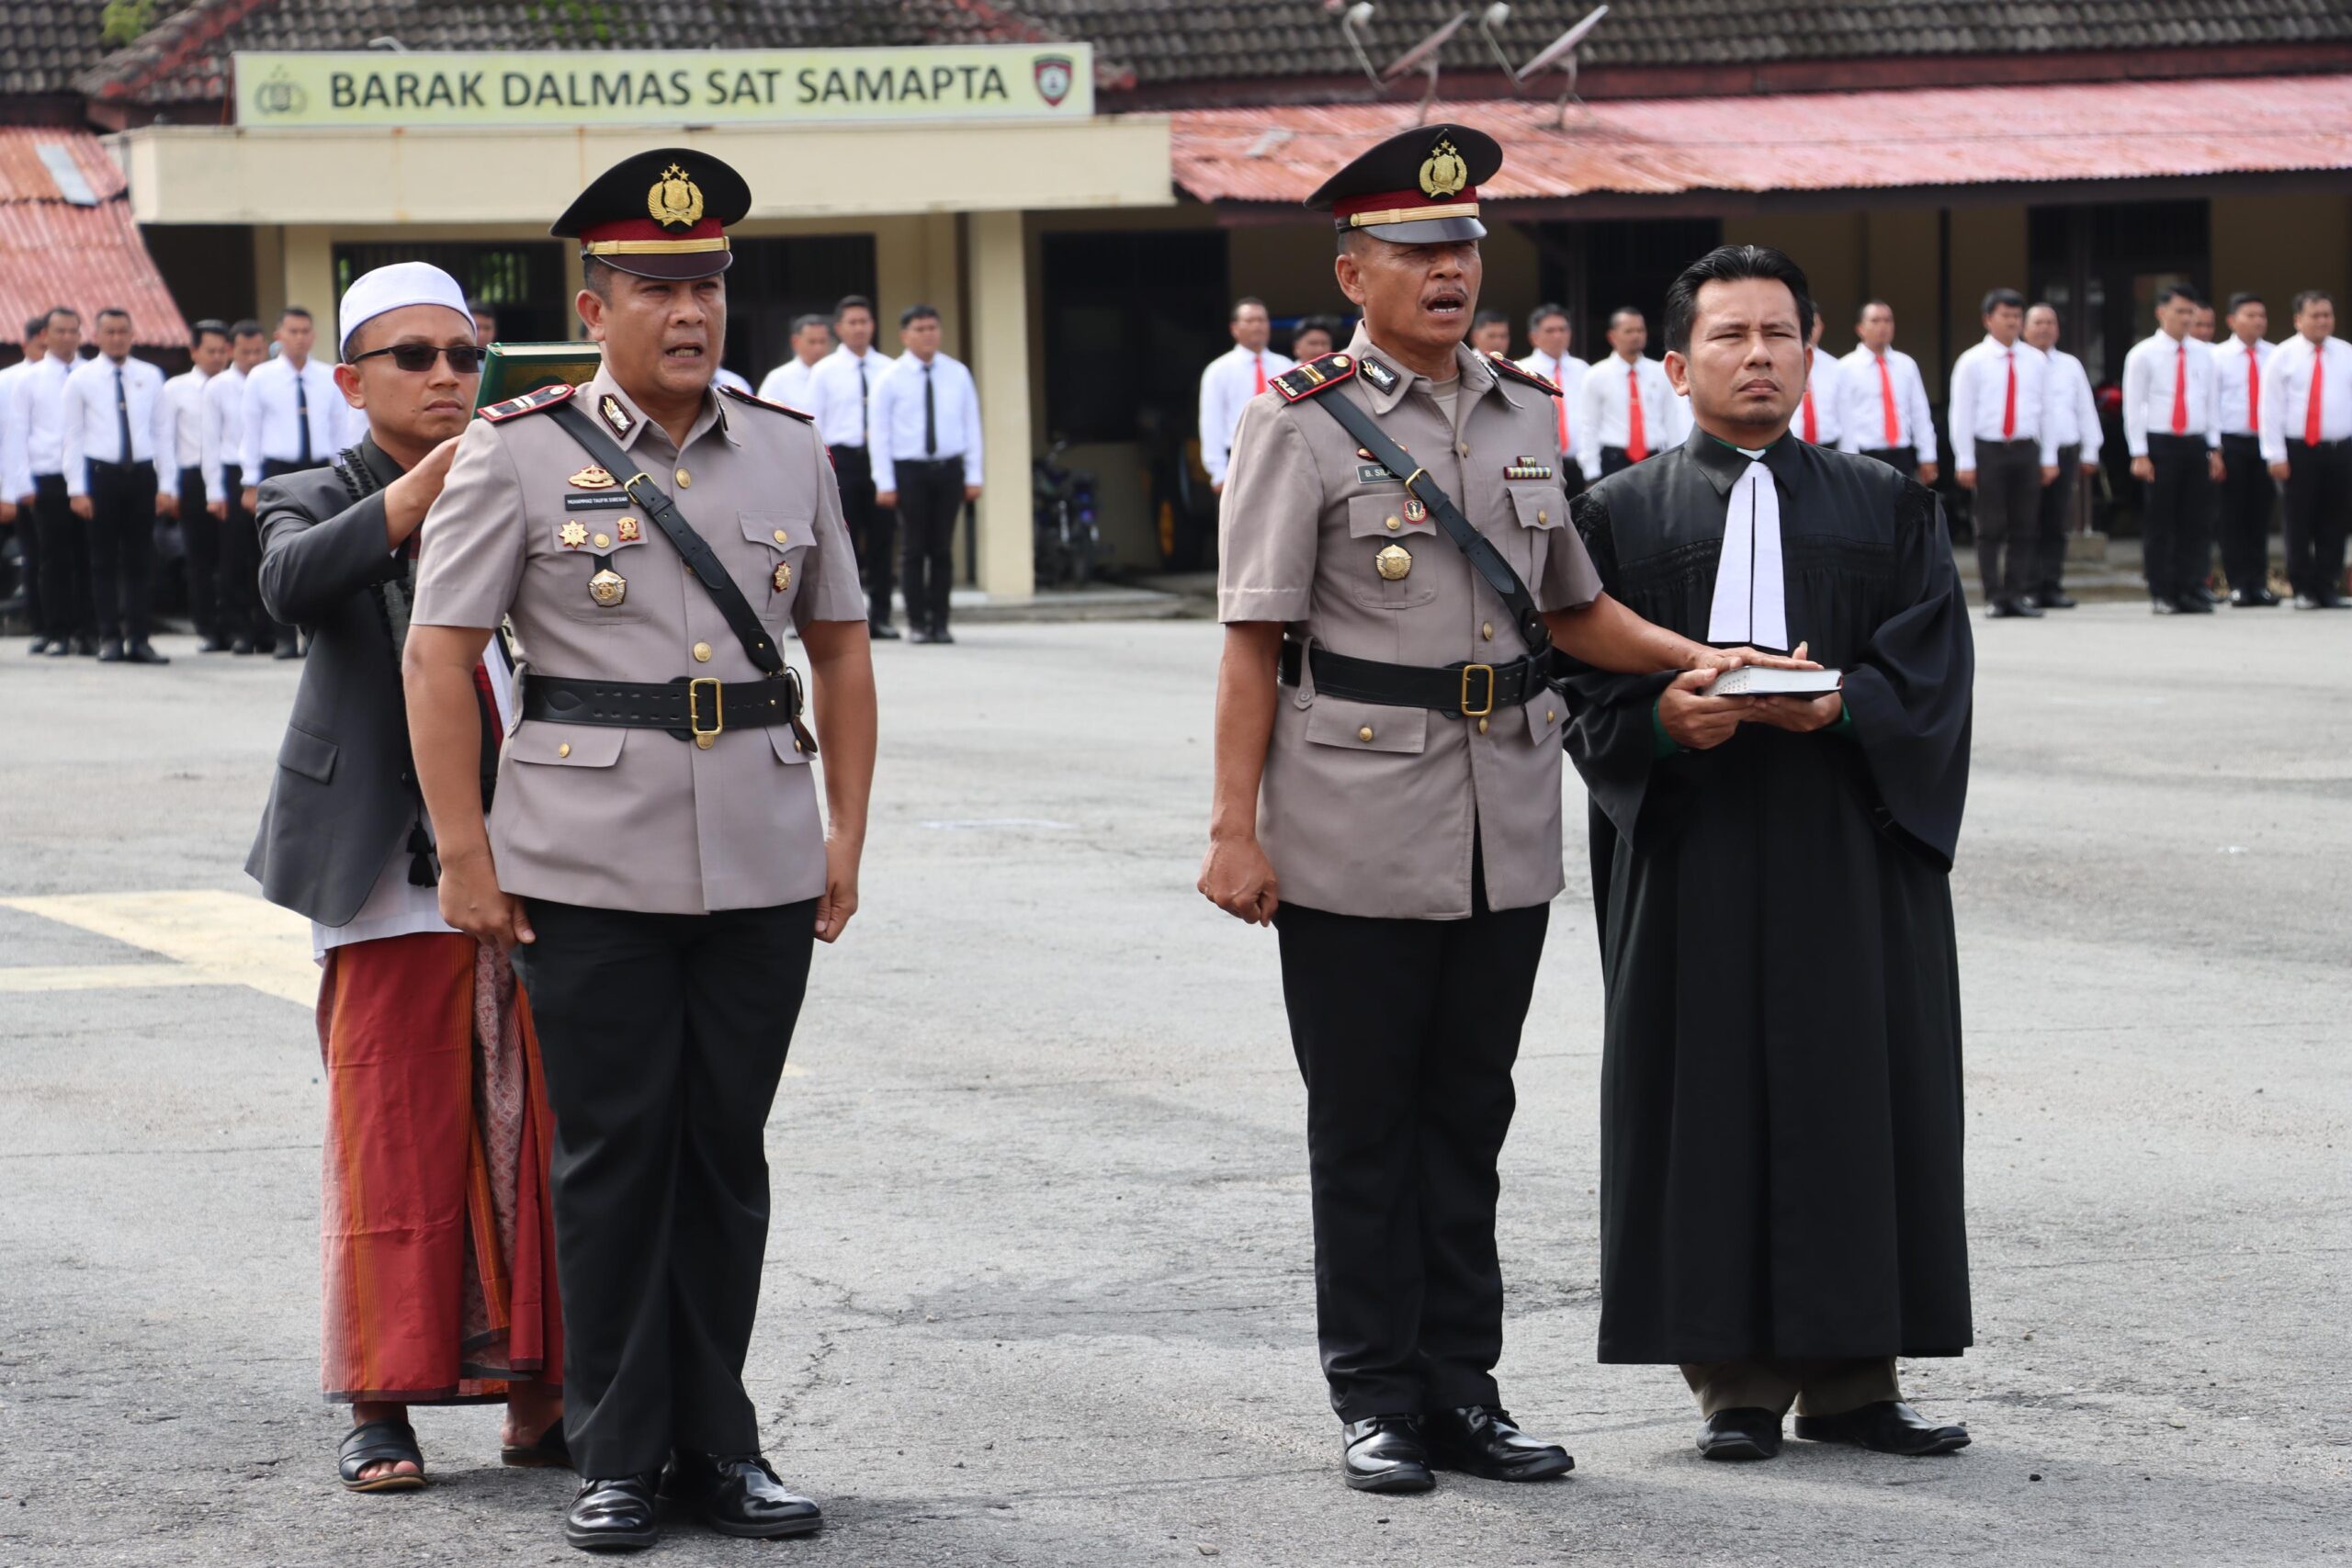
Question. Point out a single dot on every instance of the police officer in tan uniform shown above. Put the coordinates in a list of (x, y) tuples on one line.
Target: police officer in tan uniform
[(656, 857), (1388, 790)]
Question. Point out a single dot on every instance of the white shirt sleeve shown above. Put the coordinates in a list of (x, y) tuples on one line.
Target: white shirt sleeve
[(2213, 399), (1923, 418), (1217, 423), (2093, 436), (76, 461), (2048, 428), (2273, 434), (249, 429), (971, 424), (1964, 414), (881, 410), (15, 481), (1587, 428), (167, 440)]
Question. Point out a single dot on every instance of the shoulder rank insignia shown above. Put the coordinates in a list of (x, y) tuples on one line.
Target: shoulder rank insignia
[(1505, 364), (762, 403), (530, 402), (1315, 376)]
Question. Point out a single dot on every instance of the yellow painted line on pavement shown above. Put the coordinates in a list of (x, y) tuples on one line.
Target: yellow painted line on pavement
[(216, 938), (26, 977)]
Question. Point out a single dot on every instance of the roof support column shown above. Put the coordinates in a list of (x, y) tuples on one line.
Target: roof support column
[(999, 337)]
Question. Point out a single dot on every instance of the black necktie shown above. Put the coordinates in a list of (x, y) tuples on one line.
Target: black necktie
[(865, 432), (121, 414), (302, 418), (930, 418)]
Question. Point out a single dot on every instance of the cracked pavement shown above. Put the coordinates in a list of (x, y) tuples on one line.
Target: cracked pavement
[(1039, 1289)]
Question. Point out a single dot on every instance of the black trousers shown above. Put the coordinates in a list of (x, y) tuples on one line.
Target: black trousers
[(662, 1037), (930, 497), (64, 550), (2247, 492), (1614, 460), (2179, 510), (873, 529), (2056, 519), (1405, 1032), (29, 566), (2319, 507), (240, 593), (266, 628), (1903, 460), (122, 546), (200, 534), (2007, 512)]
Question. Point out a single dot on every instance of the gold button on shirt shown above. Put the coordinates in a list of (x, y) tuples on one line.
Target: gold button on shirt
[(632, 820), (1299, 538)]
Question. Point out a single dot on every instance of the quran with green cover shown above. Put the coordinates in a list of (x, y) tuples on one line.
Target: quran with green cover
[(514, 368)]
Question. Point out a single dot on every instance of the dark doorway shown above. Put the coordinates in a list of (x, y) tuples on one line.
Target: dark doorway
[(2101, 266), (521, 282), (1130, 319), (1595, 268), (773, 281)]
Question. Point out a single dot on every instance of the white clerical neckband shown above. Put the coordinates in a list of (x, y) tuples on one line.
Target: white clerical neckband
[(1751, 598)]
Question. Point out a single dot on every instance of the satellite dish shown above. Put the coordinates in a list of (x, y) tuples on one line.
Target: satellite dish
[(1355, 25), (1422, 57), (1489, 20), (1562, 51)]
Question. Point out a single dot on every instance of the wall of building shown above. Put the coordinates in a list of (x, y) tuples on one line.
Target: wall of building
[(2279, 246)]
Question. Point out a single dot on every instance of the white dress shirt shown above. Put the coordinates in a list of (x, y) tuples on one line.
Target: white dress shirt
[(1824, 393), (841, 394), (101, 397), (37, 423), (899, 418), (1568, 376), (2074, 411), (2155, 365), (266, 418), (2287, 383), (1606, 415), (12, 430), (1980, 394), (788, 383), (1231, 379), (224, 407), (1862, 398), (184, 420), (2237, 374)]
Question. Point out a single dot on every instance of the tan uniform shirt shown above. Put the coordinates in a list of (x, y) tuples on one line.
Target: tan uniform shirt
[(1367, 810), (637, 818)]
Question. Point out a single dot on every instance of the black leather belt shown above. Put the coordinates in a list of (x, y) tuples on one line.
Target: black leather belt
[(1457, 691), (696, 710)]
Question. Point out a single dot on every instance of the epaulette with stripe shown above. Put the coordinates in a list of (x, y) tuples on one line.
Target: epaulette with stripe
[(530, 402), (1512, 368), (1315, 376), (759, 402)]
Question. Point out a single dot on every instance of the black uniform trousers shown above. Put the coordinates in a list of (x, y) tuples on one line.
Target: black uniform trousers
[(1615, 459), (2007, 514), (2179, 511), (200, 536), (65, 552), (27, 536), (1406, 1032), (266, 627), (122, 546), (2055, 521), (662, 1038), (240, 592), (931, 497), (872, 529), (2319, 507), (2247, 492), (1903, 460)]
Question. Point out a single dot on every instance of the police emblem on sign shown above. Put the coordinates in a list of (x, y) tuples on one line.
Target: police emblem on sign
[(1055, 74)]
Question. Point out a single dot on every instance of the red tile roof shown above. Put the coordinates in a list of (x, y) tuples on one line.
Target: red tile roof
[(77, 247), (1953, 136)]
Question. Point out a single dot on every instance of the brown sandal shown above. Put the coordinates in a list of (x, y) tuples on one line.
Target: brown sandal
[(379, 1442)]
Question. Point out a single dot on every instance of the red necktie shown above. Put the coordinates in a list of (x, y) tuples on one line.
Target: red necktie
[(2180, 389), (2009, 408), (1887, 401), (2253, 391), (1635, 447), (1258, 363), (1812, 437), (1563, 403), (2311, 418)]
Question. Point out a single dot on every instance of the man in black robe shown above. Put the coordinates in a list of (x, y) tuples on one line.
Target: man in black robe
[(1780, 1083)]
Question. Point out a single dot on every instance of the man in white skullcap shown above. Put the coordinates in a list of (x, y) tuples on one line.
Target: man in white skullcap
[(435, 1231)]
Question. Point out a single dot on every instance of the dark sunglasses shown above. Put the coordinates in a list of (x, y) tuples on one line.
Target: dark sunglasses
[(418, 357)]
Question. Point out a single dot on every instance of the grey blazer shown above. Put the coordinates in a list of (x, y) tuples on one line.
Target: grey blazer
[(345, 797)]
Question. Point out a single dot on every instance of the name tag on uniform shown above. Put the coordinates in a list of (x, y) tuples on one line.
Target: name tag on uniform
[(1373, 474), (575, 501)]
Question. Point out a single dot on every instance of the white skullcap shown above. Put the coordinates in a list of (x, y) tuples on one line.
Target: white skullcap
[(392, 287)]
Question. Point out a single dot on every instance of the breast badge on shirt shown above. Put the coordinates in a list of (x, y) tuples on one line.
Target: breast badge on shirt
[(1394, 562), (594, 477), (609, 588)]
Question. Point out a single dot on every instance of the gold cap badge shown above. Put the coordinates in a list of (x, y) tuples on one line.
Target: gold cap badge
[(676, 201), (1443, 172)]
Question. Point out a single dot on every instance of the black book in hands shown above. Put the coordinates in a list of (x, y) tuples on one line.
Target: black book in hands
[(1762, 681)]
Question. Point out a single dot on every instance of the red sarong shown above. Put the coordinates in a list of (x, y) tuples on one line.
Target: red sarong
[(435, 1230)]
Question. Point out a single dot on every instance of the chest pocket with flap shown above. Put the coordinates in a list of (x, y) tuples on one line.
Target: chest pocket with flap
[(1377, 522), (781, 540)]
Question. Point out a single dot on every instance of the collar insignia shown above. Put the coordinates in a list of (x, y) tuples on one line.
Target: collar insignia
[(616, 416), (594, 477), (1379, 375)]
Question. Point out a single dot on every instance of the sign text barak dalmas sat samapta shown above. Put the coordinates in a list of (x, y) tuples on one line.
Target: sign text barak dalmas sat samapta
[(666, 86)]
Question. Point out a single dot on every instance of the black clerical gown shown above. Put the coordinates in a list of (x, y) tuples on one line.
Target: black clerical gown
[(1780, 1082)]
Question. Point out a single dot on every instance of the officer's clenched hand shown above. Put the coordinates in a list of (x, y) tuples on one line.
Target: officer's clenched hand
[(408, 498), (1695, 721), (472, 901), (840, 901), (1236, 877)]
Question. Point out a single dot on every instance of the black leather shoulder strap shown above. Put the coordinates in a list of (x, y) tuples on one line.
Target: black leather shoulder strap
[(1484, 560), (705, 566)]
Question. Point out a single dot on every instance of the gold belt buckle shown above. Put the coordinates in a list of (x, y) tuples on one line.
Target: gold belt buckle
[(704, 738), (1468, 671)]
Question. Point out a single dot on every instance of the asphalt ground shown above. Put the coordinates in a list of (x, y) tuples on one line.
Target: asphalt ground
[(1038, 1291)]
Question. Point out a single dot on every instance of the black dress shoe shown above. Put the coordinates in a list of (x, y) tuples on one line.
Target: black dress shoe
[(2056, 599), (2007, 609), (881, 631), (2302, 601), (1888, 1427), (739, 1495), (2266, 596), (1478, 1440), (212, 645), (290, 648), (88, 646), (2164, 606), (59, 647), (40, 646), (2196, 602), (1385, 1453), (144, 653), (613, 1516), (242, 647), (1749, 1432), (941, 634), (2203, 592), (110, 651), (919, 634), (2252, 599)]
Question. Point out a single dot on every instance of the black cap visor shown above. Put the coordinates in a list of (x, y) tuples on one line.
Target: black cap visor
[(675, 267)]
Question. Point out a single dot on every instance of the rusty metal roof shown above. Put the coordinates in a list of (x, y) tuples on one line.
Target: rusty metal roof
[(1814, 141), (67, 238)]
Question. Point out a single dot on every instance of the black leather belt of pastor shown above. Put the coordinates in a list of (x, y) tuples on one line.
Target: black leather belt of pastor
[(1457, 691), (696, 710)]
